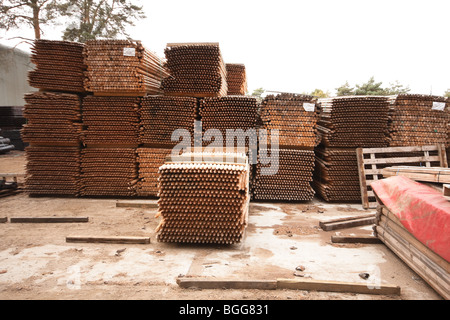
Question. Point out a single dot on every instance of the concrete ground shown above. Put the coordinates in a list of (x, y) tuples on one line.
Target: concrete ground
[(37, 263)]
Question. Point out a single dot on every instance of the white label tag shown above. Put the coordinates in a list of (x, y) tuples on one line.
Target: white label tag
[(309, 107), (438, 106), (129, 52)]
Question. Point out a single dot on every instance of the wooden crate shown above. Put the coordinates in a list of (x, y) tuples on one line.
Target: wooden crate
[(372, 161)]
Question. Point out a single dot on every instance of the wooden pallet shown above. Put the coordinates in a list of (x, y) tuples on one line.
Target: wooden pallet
[(371, 163)]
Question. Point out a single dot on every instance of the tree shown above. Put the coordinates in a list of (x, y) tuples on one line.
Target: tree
[(447, 93), (320, 93), (29, 13), (93, 19), (345, 90), (397, 88), (370, 88)]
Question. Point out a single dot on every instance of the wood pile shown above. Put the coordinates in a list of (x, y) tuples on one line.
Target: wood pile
[(109, 172), (52, 119), (150, 160), (427, 264), (419, 120), (53, 170), (336, 176), (122, 67), (59, 66), (354, 122), (196, 70), (236, 79), (161, 116), (205, 201), (111, 120), (236, 113), (295, 116), (292, 180)]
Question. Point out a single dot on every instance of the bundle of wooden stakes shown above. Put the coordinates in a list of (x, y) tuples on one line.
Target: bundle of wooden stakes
[(161, 116), (109, 172), (111, 121), (336, 177), (294, 116), (419, 120), (150, 160), (204, 198), (236, 79), (59, 66), (284, 175), (122, 68), (196, 70)]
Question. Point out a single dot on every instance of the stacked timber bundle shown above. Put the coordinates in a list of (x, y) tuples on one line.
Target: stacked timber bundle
[(160, 116), (288, 180), (52, 119), (235, 113), (109, 172), (354, 122), (122, 67), (53, 170), (196, 70), (204, 200), (59, 66), (150, 160), (295, 116), (236, 79), (419, 120), (336, 177), (111, 120)]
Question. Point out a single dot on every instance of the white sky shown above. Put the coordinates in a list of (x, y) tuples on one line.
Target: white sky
[(298, 46)]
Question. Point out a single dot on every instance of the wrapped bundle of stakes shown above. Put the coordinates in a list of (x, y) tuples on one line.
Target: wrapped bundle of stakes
[(111, 121), (419, 120), (53, 170), (237, 114), (59, 66), (336, 177), (294, 116), (161, 116), (150, 160), (109, 172), (284, 175), (236, 79), (354, 121), (122, 67), (204, 198), (52, 119), (196, 70)]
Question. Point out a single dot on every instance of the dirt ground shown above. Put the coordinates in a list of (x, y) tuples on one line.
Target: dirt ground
[(37, 263)]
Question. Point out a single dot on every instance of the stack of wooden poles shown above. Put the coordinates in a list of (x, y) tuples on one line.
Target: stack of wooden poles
[(345, 124), (204, 198), (54, 119), (236, 79), (294, 117)]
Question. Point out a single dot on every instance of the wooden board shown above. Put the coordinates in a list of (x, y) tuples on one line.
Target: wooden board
[(137, 204), (446, 190), (349, 222), (333, 286), (227, 284), (372, 161), (50, 220), (3, 220), (112, 240), (436, 175), (356, 239)]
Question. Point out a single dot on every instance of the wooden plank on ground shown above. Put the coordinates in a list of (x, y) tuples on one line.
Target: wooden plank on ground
[(356, 239), (349, 222), (333, 286), (112, 240), (49, 220), (137, 204), (4, 220), (227, 284)]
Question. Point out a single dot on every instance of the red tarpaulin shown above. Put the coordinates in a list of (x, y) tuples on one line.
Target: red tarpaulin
[(423, 211)]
